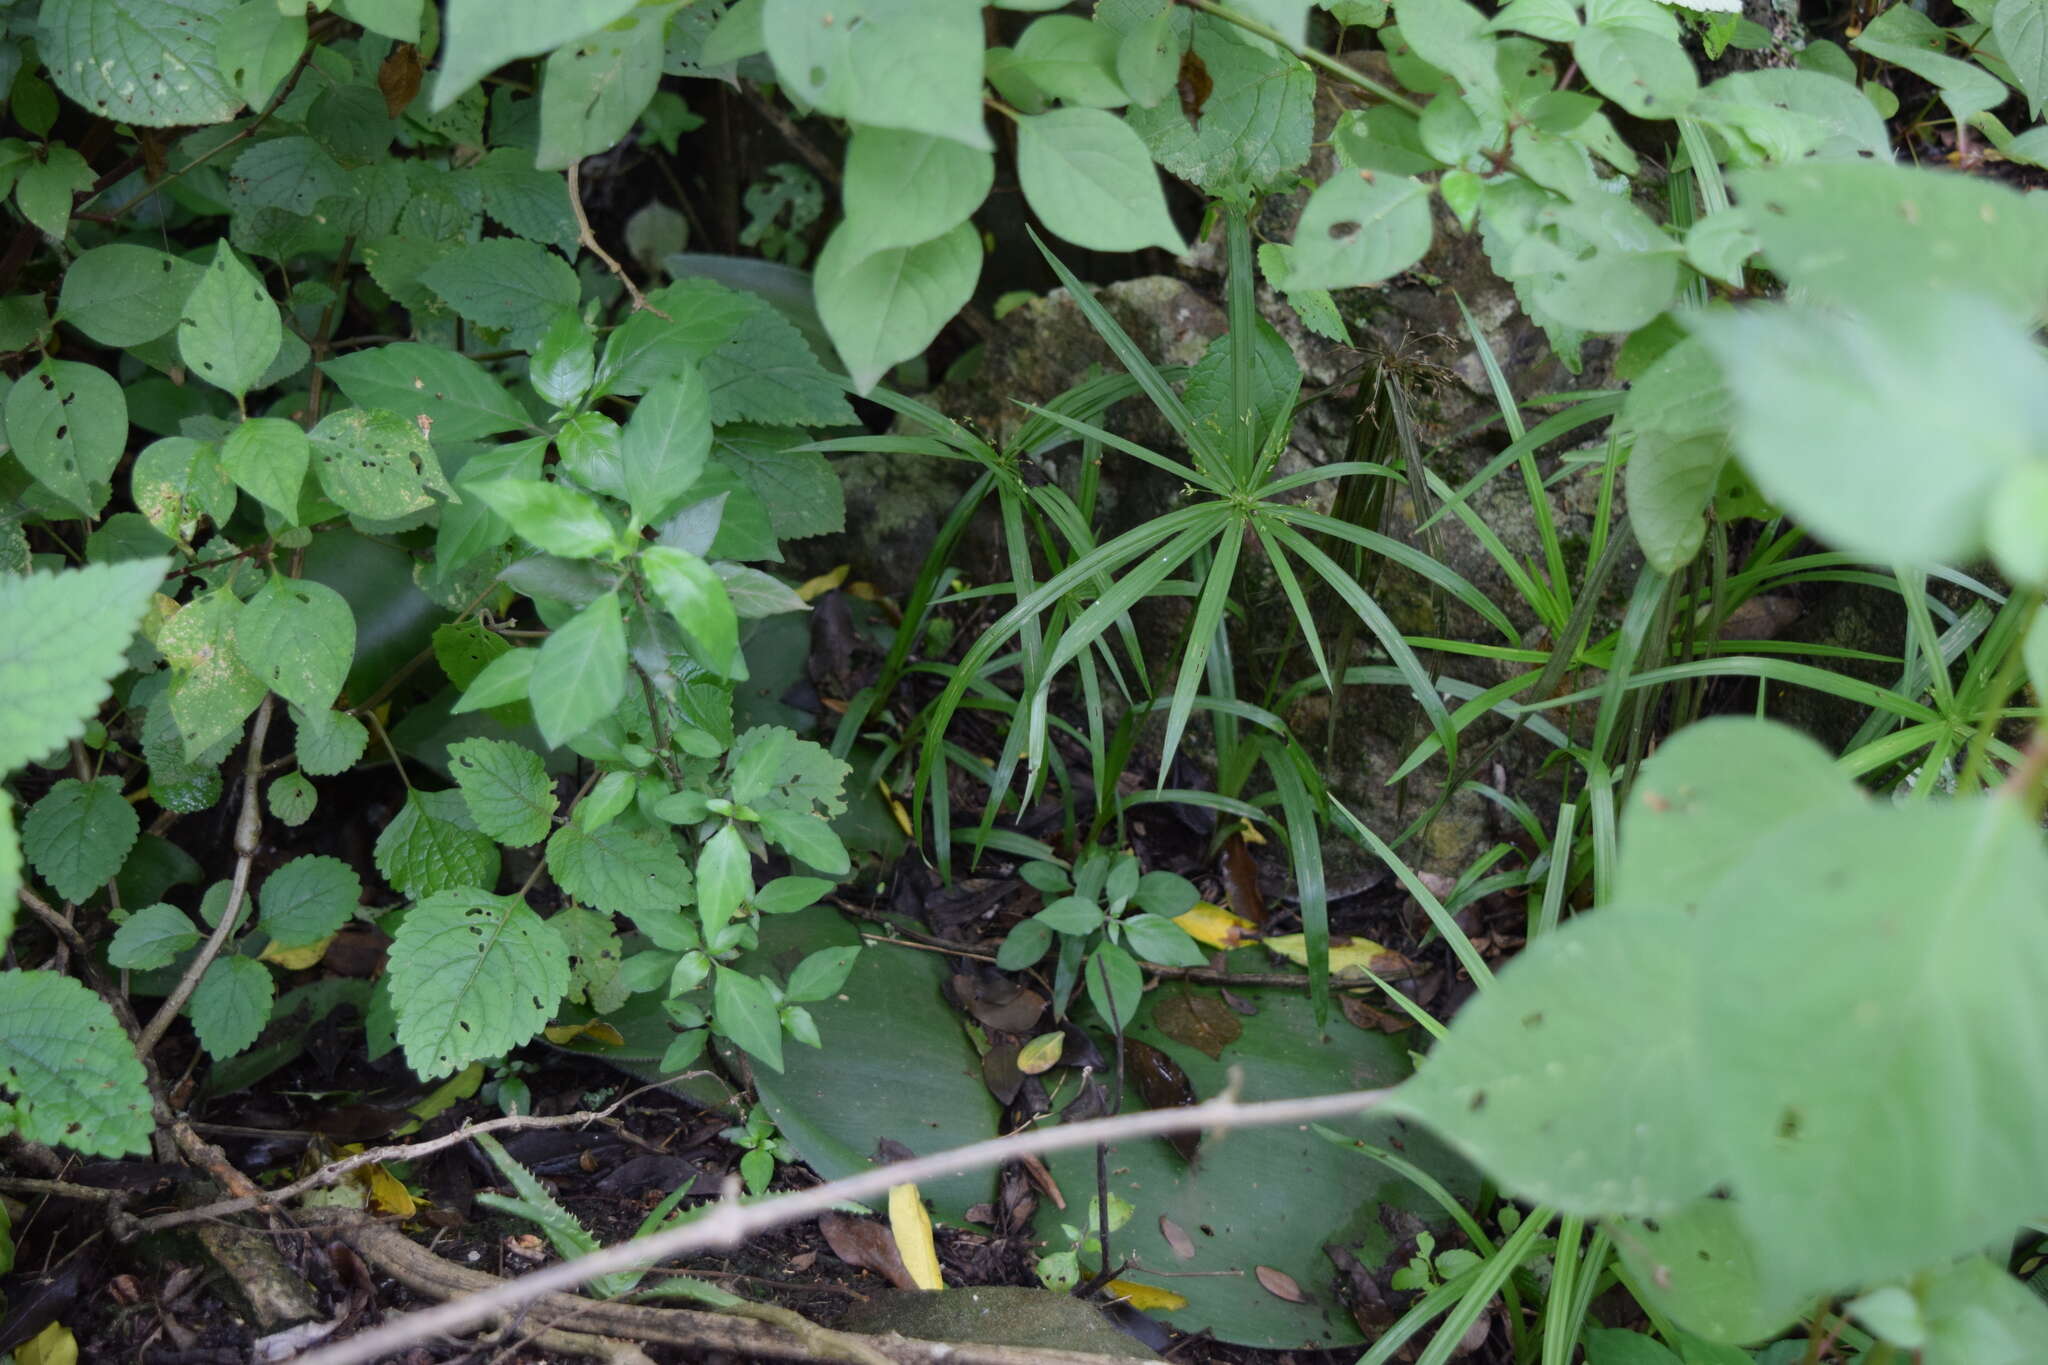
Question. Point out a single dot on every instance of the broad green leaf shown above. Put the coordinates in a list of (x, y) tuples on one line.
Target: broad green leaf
[(294, 175), (1647, 74), (755, 594), (579, 673), (798, 488), (429, 847), (329, 742), (767, 372), (664, 445), (1355, 232), (43, 189), (231, 1004), (530, 203), (178, 782), (564, 361), (1671, 483), (152, 937), (479, 36), (1976, 1314), (617, 870), (1905, 37), (2013, 532), (376, 463), (259, 46), (504, 680), (124, 295), (291, 798), (77, 836), (744, 1012), (395, 19), (472, 977), (1254, 129), (307, 899), (1575, 1079), (1089, 179), (1831, 228), (1696, 1266), (908, 64), (69, 1069), (809, 839), (594, 89), (507, 789), (454, 396), (773, 769), (63, 636), (820, 975), (505, 283), (2021, 30), (1148, 59), (696, 596), (267, 458), (1835, 414), (906, 188), (229, 330), (1076, 915), (68, 425), (1709, 793), (299, 638), (553, 516), (1288, 17), (144, 62), (725, 879), (1451, 36), (1072, 60), (882, 307), (1115, 982), (212, 690)]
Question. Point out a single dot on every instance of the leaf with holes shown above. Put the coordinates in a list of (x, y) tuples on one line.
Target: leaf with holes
[(594, 89), (68, 424), (430, 846), (229, 331), (1355, 233), (124, 295), (299, 638), (212, 690), (376, 464), (506, 788), (472, 977), (144, 62), (619, 869), (440, 390), (72, 1074)]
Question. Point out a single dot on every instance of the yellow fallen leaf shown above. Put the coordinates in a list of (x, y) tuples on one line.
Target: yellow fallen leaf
[(817, 587), (460, 1086), (1249, 832), (1146, 1297), (54, 1345), (596, 1030), (1215, 926), (895, 809), (913, 1229), (388, 1193), (296, 959), (1359, 955)]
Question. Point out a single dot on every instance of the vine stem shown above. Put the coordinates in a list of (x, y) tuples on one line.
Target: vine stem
[(248, 838), (731, 1222), (1308, 54), (588, 238)]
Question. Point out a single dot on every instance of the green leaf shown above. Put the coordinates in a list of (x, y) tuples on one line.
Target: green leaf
[(1671, 484), (291, 798), (267, 458), (506, 788), (457, 398), (2020, 27), (1024, 945), (1166, 893), (664, 445), (1076, 915), (1975, 1314), (1905, 37), (307, 899), (905, 188), (766, 372), (809, 839), (375, 464), (1354, 232), (725, 879), (144, 62), (212, 690), (426, 849), (1089, 179), (799, 488), (504, 680), (71, 1071), (177, 481), (1835, 414), (755, 594), (63, 636), (479, 36), (472, 977), (531, 203), (696, 597), (909, 64), (593, 90), (229, 330), (77, 836), (552, 516), (786, 895), (124, 295), (329, 742), (882, 307), (580, 672), (1148, 59), (395, 19), (1115, 982), (619, 871), (231, 1005), (746, 1013), (299, 638), (259, 46), (1696, 1265), (564, 362), (1648, 74), (505, 283), (44, 188), (1254, 129), (152, 937), (68, 425), (1072, 60)]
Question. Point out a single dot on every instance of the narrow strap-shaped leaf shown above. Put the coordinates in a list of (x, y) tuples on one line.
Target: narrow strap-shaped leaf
[(1305, 844), (937, 421), (1242, 304), (1460, 945), (1408, 557), (1131, 448), (1532, 479), (1290, 587), (1593, 409), (1327, 473), (1207, 621), (1635, 627)]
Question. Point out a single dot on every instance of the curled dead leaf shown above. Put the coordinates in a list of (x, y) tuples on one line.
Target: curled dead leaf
[(866, 1244), (1200, 1020), (1279, 1284), (1177, 1237), (398, 78)]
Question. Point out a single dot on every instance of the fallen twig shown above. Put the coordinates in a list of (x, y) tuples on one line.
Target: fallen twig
[(732, 1222), (588, 238)]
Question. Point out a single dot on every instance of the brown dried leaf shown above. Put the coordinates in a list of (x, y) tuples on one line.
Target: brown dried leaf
[(1372, 1017), (1241, 880), (1041, 1176), (1000, 1073), (1177, 1237), (868, 1245), (1202, 1021), (1162, 1085), (1279, 1284), (398, 79)]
